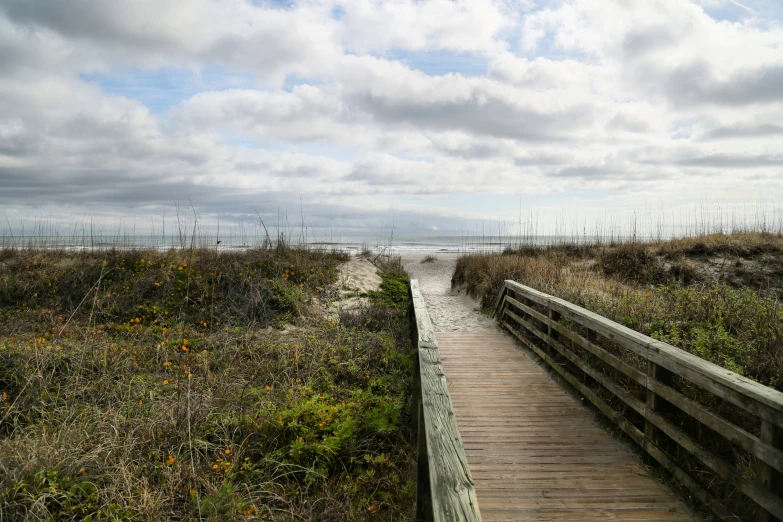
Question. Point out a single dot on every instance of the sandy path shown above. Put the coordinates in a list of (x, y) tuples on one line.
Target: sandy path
[(449, 311)]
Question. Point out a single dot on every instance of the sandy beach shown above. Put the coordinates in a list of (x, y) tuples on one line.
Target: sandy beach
[(449, 310)]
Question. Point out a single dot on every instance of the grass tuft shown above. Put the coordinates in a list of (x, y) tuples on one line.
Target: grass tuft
[(140, 385), (714, 296)]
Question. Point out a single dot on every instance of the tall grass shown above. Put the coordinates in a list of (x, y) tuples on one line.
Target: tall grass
[(716, 296), (198, 384)]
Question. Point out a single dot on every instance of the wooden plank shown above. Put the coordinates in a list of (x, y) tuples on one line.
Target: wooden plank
[(637, 436), (662, 358), (770, 477), (451, 495), (763, 497), (747, 441), (728, 385), (533, 451)]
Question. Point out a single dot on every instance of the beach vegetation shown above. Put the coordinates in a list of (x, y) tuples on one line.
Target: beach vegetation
[(715, 296), (193, 384)]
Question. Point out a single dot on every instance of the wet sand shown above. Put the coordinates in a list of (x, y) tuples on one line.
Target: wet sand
[(450, 311)]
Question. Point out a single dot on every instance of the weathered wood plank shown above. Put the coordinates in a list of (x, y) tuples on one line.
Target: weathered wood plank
[(534, 452), (747, 441), (663, 360), (451, 495), (726, 384), (764, 498), (637, 436)]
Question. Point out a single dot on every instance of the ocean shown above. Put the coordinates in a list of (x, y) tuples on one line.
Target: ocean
[(351, 244)]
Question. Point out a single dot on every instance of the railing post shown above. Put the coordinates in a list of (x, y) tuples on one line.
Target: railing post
[(655, 403), (555, 354), (423, 493), (412, 327), (554, 316), (416, 399), (501, 315), (770, 477), (499, 303)]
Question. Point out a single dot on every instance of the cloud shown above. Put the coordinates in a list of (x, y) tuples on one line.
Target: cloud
[(743, 131), (455, 25), (335, 111)]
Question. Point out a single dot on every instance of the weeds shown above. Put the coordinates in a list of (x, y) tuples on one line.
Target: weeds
[(667, 291), (140, 385), (733, 326)]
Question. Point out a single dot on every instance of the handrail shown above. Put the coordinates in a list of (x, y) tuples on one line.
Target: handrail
[(553, 327), (445, 490)]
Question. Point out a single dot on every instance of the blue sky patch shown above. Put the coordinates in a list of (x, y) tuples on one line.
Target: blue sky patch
[(161, 89), (438, 63)]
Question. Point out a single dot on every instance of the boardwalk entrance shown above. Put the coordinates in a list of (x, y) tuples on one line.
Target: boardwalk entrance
[(533, 450)]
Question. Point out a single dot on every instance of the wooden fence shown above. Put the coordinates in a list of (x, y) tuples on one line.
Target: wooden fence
[(670, 402), (445, 490)]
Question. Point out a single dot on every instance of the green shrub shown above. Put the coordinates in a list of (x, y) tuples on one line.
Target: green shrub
[(179, 416)]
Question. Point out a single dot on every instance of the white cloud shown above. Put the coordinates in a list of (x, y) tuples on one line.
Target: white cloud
[(453, 25), (631, 100)]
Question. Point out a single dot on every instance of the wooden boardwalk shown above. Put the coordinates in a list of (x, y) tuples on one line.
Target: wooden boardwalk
[(533, 450)]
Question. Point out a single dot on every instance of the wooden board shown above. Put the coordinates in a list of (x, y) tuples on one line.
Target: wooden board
[(449, 495), (533, 450)]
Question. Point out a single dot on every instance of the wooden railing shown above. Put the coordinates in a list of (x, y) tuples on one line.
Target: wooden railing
[(670, 402), (445, 490)]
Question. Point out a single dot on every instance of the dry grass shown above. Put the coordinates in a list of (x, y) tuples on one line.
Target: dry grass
[(668, 290), (150, 386)]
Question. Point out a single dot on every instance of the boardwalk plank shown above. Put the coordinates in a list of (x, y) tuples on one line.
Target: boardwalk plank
[(534, 452)]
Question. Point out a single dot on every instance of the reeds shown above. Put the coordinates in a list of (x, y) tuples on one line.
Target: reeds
[(192, 382)]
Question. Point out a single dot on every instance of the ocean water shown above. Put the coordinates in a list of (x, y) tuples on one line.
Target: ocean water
[(352, 244)]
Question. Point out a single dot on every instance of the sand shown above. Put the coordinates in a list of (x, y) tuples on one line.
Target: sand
[(449, 310), (357, 276)]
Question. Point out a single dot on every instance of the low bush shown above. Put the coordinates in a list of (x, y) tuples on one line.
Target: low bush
[(121, 399), (734, 327), (653, 289)]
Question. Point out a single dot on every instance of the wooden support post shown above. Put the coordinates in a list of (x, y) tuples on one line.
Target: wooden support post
[(555, 316), (413, 329), (416, 399), (654, 402), (423, 498), (770, 477)]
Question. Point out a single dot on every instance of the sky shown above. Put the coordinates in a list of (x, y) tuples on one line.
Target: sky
[(429, 116)]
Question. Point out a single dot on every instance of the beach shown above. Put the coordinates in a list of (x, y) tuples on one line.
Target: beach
[(450, 310)]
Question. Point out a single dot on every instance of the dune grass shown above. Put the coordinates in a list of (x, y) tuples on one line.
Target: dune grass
[(695, 293), (196, 385), (660, 289)]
